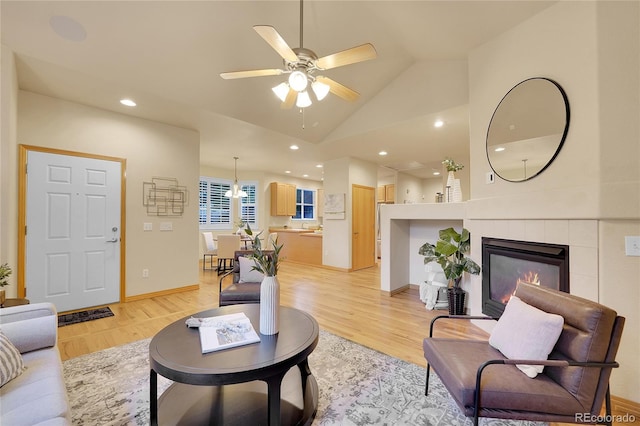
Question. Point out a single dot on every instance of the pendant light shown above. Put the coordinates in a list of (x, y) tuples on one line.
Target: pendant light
[(236, 192)]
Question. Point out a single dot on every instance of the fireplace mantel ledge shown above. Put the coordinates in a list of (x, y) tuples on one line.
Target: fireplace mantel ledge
[(434, 211)]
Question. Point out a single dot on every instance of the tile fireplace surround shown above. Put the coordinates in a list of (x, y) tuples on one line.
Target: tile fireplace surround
[(407, 227)]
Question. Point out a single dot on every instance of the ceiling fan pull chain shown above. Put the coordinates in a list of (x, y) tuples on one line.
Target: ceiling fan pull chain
[(302, 112)]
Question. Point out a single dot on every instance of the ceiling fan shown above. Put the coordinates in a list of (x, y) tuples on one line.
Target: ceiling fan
[(302, 65)]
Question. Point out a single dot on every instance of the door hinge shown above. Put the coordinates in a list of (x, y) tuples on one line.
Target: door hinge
[(25, 230)]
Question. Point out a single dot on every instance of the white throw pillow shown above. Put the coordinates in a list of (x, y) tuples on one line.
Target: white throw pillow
[(11, 363), (526, 332), (247, 273)]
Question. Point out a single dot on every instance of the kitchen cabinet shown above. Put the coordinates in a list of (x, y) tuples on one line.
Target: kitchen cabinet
[(283, 199), (300, 245), (387, 193)]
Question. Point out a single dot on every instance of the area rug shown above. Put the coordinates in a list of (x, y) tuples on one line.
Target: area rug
[(82, 316), (358, 386)]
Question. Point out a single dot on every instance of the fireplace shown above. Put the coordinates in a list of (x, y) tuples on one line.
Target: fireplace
[(505, 263)]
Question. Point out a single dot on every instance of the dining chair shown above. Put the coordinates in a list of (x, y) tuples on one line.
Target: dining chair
[(228, 244), (211, 250)]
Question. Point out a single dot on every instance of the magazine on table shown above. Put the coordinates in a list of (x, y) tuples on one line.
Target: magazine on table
[(224, 331)]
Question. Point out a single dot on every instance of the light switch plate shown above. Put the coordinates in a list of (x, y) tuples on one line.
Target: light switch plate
[(166, 226), (147, 226), (632, 246), (490, 178)]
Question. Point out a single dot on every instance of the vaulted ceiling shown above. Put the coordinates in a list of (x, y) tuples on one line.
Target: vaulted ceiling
[(167, 56)]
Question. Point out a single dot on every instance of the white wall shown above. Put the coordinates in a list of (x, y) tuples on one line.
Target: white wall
[(339, 177), (589, 196), (8, 164), (151, 150)]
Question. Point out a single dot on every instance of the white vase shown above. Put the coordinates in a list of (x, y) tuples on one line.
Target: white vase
[(457, 191), (448, 189), (269, 305)]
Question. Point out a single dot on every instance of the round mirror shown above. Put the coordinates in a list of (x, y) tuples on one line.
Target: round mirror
[(527, 129)]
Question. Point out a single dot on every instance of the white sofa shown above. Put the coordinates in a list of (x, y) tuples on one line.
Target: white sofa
[(38, 396)]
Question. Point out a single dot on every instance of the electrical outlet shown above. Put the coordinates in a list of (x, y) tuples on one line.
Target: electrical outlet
[(145, 273), (490, 178), (632, 246)]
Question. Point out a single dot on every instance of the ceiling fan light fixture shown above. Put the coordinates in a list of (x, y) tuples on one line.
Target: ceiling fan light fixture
[(304, 100), (281, 91), (298, 81), (320, 89)]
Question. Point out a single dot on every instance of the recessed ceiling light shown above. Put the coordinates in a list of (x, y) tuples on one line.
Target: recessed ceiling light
[(382, 153), (287, 171), (127, 102), (294, 147), (319, 166), (438, 123), (499, 149), (436, 173), (305, 175)]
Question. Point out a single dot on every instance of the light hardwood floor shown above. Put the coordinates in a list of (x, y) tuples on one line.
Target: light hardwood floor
[(350, 305)]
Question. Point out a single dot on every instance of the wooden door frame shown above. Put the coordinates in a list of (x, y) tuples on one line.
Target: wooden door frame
[(22, 208), (373, 189)]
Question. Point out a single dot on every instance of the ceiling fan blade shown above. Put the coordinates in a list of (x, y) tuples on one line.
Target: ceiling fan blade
[(338, 89), (275, 40), (290, 100), (360, 53), (250, 73)]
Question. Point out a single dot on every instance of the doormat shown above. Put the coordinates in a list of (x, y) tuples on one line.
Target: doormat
[(82, 316)]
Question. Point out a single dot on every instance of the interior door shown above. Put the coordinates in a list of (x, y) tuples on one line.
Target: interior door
[(73, 230), (363, 240)]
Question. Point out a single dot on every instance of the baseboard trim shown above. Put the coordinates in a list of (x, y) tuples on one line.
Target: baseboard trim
[(161, 293), (395, 291)]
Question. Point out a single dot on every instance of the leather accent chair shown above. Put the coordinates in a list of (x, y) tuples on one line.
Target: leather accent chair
[(575, 380)]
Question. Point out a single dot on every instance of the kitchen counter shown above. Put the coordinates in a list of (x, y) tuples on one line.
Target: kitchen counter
[(300, 245), (311, 234), (291, 230)]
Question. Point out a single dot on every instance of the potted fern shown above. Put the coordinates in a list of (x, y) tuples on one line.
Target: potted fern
[(450, 253)]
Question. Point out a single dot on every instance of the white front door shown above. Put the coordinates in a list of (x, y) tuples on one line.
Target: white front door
[(72, 256)]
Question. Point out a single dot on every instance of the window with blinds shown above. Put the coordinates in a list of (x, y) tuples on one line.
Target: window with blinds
[(215, 209), (249, 204)]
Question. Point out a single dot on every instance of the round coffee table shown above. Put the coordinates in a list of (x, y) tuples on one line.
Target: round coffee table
[(226, 387)]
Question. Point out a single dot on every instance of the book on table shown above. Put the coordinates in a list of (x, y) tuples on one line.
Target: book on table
[(226, 331)]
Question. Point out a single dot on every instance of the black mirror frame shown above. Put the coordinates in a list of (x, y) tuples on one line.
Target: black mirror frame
[(562, 139)]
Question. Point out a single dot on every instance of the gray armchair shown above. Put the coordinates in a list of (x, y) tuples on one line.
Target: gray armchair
[(238, 292)]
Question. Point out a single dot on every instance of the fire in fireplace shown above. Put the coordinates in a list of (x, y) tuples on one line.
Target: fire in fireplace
[(505, 263)]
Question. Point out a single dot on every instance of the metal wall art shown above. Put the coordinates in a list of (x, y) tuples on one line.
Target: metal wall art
[(164, 197)]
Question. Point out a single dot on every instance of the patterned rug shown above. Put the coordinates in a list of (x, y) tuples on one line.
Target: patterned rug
[(358, 386), (82, 316)]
